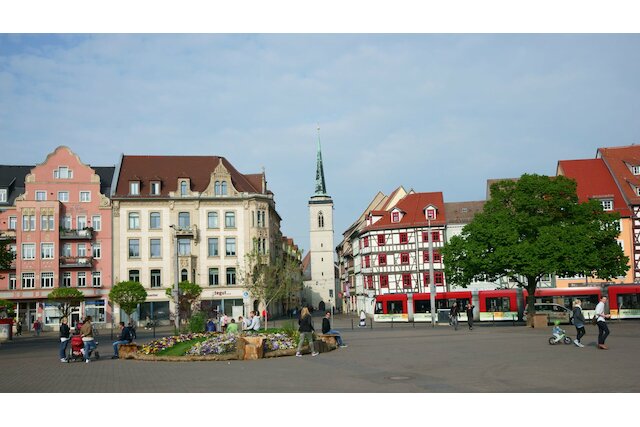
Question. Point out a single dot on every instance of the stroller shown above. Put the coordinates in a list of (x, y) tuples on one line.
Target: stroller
[(77, 350), (559, 335)]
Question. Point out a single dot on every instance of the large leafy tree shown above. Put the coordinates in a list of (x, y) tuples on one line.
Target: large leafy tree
[(66, 298), (188, 294), (532, 227), (6, 256), (128, 295)]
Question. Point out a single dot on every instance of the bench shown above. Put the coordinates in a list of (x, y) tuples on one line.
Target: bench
[(126, 350), (329, 339)]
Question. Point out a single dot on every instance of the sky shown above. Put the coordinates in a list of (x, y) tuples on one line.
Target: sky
[(430, 112)]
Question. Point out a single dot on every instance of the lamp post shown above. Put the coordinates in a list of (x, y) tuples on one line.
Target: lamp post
[(432, 286), (176, 290)]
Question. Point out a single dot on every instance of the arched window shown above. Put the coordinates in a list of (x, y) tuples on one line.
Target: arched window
[(217, 188), (224, 188), (320, 220), (183, 188), (184, 275)]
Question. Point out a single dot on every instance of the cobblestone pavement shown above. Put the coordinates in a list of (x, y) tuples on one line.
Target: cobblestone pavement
[(405, 358)]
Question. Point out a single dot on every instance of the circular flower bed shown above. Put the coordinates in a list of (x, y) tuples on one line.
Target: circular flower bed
[(220, 344), (167, 342), (278, 341)]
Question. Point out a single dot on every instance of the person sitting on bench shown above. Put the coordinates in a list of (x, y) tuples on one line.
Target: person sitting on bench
[(326, 329)]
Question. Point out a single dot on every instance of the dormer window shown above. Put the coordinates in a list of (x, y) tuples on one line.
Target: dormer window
[(430, 213), (223, 188), (183, 188), (635, 170), (63, 172), (607, 204), (395, 216), (134, 188), (3, 195), (155, 188)]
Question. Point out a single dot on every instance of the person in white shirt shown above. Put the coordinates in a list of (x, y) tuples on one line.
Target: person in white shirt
[(254, 326), (603, 329)]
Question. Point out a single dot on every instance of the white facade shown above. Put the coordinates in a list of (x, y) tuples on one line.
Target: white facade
[(322, 286)]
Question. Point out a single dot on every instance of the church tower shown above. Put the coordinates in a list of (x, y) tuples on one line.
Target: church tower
[(322, 286)]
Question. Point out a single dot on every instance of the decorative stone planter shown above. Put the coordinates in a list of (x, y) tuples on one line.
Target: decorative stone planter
[(250, 348)]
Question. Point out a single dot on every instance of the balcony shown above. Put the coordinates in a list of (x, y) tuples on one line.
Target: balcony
[(8, 235), (190, 231), (76, 262), (84, 234)]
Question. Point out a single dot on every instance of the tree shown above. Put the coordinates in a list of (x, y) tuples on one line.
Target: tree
[(533, 227), (128, 295), (66, 298), (7, 308), (188, 293), (6, 256)]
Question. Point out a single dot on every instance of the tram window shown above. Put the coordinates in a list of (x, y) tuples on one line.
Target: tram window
[(589, 302), (545, 300), (422, 306), (498, 304), (394, 307), (378, 309), (629, 301), (442, 304)]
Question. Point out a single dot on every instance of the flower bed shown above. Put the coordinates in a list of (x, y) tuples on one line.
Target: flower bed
[(167, 342), (278, 341), (218, 344)]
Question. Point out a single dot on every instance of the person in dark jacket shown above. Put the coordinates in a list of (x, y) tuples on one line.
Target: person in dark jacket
[(125, 338), (578, 322), (306, 331), (326, 329), (65, 331), (469, 308)]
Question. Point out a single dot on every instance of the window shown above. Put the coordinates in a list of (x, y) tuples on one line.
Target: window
[(635, 170), (66, 280), (134, 221), (47, 222), (262, 218), (404, 238), (395, 217), (214, 277), (66, 249), (320, 220), (369, 282), (438, 277), (156, 279), (213, 246), (28, 223), (82, 279), (41, 196), (184, 275), (134, 248), (81, 222), (66, 222), (85, 196), (366, 261), (63, 196), (607, 205), (184, 247), (212, 219), (82, 250), (28, 251), (231, 276), (134, 188), (404, 258), (382, 259), (155, 188), (229, 220), (217, 188), (406, 280), (46, 279), (3, 195), (365, 242), (134, 276), (223, 188), (498, 304), (230, 246), (46, 250), (435, 236), (28, 280), (62, 172), (261, 245), (183, 188), (12, 281), (437, 257), (384, 281), (155, 248), (96, 309), (96, 279), (13, 222), (13, 250), (154, 220), (381, 240), (96, 222), (184, 220)]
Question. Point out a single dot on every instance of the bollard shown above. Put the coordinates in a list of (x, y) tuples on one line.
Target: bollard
[(513, 317), (392, 323), (414, 323), (370, 324), (154, 330), (493, 319), (351, 324)]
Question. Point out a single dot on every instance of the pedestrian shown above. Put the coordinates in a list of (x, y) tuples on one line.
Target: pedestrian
[(603, 329), (86, 331), (254, 324), (132, 329), (147, 323), (19, 327), (125, 337), (242, 323), (36, 327), (223, 322), (469, 309), (363, 319), (211, 326), (578, 322), (232, 327), (326, 329), (65, 331), (453, 315), (306, 331)]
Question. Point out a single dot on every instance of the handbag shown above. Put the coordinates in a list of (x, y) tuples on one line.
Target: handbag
[(594, 320)]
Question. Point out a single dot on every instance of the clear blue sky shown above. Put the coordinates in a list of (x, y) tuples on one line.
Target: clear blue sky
[(429, 112)]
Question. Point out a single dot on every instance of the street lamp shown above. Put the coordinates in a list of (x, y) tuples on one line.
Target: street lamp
[(432, 286), (176, 290)]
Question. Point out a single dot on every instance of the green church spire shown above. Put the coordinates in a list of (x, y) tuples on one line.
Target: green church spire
[(321, 189)]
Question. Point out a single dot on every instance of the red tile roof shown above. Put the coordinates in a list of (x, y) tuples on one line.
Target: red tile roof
[(594, 181), (413, 205), (168, 169), (619, 160)]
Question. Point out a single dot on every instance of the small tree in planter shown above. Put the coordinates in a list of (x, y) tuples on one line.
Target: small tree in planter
[(128, 295), (66, 298), (188, 293), (6, 308)]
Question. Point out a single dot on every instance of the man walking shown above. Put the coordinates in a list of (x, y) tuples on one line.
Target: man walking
[(603, 329), (124, 338), (469, 310)]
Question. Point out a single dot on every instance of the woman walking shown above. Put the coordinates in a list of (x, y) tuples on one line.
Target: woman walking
[(306, 330), (578, 322), (603, 329)]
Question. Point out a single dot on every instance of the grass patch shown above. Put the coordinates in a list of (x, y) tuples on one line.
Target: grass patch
[(180, 348)]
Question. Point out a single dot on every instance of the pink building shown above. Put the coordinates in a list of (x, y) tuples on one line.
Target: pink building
[(57, 217)]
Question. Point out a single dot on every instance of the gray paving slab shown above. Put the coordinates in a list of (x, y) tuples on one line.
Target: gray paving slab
[(406, 358)]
